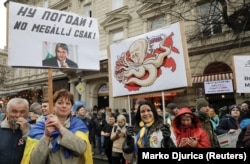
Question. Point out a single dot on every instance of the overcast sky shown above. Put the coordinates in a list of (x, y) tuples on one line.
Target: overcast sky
[(2, 25)]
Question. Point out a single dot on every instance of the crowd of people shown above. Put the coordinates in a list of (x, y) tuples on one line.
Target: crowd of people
[(38, 136)]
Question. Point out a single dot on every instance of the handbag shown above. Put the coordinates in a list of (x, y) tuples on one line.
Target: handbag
[(128, 145)]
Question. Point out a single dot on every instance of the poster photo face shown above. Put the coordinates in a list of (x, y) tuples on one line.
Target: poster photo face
[(150, 62), (41, 37)]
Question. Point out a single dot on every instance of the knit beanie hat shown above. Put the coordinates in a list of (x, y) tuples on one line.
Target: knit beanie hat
[(201, 102), (232, 107), (171, 106)]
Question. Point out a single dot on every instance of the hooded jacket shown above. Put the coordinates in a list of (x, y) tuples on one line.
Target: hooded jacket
[(194, 131)]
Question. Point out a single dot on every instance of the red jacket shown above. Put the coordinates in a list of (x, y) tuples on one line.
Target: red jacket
[(195, 131)]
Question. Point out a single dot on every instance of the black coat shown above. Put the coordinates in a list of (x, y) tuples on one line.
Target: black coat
[(108, 143), (227, 122), (11, 146), (53, 63)]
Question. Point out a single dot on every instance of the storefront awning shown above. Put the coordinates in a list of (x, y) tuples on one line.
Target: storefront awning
[(212, 77), (14, 91)]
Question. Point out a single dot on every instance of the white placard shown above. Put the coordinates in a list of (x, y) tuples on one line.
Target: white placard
[(150, 62), (228, 140), (242, 73), (220, 86), (35, 31)]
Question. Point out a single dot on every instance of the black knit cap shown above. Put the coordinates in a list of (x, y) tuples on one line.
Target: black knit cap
[(171, 106)]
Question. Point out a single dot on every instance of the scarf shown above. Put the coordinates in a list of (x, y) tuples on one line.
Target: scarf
[(141, 135), (37, 132), (31, 144)]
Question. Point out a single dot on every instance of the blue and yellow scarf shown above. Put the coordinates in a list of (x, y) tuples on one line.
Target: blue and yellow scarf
[(141, 137), (76, 126)]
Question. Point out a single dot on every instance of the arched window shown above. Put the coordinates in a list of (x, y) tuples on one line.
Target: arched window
[(103, 90), (217, 67)]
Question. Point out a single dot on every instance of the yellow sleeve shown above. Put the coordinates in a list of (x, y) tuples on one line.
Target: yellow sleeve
[(87, 155), (30, 145)]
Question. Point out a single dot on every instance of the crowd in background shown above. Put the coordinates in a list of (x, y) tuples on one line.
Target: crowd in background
[(118, 133)]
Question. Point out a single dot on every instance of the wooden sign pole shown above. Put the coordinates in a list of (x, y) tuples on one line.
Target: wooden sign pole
[(7, 23), (50, 91)]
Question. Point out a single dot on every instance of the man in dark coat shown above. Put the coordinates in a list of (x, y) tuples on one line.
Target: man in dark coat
[(202, 112), (106, 132)]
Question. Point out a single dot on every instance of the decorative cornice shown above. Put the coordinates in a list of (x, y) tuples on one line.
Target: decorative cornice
[(60, 5), (150, 10), (116, 19), (226, 45)]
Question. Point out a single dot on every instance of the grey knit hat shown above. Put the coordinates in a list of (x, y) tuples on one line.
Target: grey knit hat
[(201, 102), (171, 106)]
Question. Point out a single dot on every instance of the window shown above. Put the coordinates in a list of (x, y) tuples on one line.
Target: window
[(40, 71), (17, 73), (211, 18), (156, 23), (117, 4), (103, 89), (87, 10), (119, 35)]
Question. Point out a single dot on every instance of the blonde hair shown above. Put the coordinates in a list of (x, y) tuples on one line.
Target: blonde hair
[(121, 117)]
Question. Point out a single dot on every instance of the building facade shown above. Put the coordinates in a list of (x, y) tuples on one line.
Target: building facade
[(211, 45)]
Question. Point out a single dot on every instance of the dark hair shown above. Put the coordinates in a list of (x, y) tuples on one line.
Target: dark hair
[(63, 93), (112, 115), (234, 106), (45, 100), (138, 115), (79, 107), (63, 46)]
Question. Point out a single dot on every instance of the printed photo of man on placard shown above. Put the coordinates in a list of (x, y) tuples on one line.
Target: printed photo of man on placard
[(61, 58)]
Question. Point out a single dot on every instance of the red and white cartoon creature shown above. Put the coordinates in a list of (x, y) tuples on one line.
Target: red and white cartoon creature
[(140, 68)]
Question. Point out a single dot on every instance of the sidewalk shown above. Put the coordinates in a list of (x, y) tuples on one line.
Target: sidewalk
[(96, 155)]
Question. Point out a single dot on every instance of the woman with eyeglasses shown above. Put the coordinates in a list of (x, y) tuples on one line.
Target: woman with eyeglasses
[(229, 123)]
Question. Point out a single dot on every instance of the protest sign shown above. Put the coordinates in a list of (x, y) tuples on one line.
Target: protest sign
[(154, 61), (241, 65), (34, 32), (228, 140)]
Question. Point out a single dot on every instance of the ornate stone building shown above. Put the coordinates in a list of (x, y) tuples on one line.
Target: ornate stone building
[(211, 45)]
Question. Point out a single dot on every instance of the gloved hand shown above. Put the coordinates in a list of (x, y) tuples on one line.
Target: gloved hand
[(165, 131), (130, 131), (167, 141)]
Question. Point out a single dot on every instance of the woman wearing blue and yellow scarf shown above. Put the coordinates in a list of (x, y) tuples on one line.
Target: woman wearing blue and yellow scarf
[(149, 130), (61, 138)]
